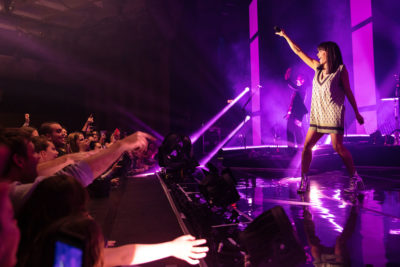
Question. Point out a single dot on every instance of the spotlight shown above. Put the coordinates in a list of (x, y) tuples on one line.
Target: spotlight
[(197, 134), (176, 156), (208, 157), (270, 240)]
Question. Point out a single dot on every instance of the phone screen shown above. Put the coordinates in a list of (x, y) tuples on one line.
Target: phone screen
[(67, 255)]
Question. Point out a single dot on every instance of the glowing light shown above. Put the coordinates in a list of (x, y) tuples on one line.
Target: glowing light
[(394, 231), (328, 140), (389, 99), (144, 174), (137, 121), (223, 142), (252, 147), (197, 134), (357, 135), (315, 198), (290, 179), (337, 197)]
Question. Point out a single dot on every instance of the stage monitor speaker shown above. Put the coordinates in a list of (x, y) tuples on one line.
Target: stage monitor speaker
[(219, 190), (270, 240)]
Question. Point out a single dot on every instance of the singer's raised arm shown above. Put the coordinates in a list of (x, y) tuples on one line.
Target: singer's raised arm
[(312, 63)]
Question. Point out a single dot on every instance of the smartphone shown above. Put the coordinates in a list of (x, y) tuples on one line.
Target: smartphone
[(68, 251)]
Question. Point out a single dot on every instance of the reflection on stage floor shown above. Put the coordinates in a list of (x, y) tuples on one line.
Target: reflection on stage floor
[(333, 226)]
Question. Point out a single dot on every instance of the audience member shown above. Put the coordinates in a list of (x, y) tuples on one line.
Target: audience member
[(23, 163), (103, 138), (54, 132), (4, 153), (32, 131), (78, 228), (77, 143), (23, 159), (61, 196), (54, 198), (114, 137), (27, 120), (96, 146), (88, 126), (45, 200), (45, 148), (95, 135), (49, 163), (64, 133), (9, 232)]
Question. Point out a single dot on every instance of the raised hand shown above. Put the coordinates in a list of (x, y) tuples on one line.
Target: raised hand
[(90, 119), (281, 33), (137, 141), (187, 248)]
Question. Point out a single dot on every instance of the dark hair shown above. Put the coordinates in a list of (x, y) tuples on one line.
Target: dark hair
[(54, 198), (80, 226), (92, 145), (333, 56), (16, 140), (28, 129), (41, 143), (46, 128), (72, 138)]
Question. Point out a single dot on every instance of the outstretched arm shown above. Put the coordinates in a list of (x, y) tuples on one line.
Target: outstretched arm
[(349, 94), (86, 127), (101, 161), (312, 63), (26, 123), (50, 167), (185, 248)]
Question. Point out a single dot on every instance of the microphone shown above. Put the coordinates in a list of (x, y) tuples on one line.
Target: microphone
[(277, 29)]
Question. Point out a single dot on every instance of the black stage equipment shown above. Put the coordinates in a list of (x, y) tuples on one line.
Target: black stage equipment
[(270, 240), (376, 138), (219, 190), (176, 156)]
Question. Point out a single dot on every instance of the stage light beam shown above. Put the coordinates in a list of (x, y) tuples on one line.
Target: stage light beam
[(206, 159), (194, 137)]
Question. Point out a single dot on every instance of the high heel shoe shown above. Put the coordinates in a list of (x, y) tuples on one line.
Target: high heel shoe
[(356, 184), (304, 184)]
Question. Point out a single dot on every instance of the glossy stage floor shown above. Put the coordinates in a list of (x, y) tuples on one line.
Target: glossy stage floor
[(335, 229), (332, 226)]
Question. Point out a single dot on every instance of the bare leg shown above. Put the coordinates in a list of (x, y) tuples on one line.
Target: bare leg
[(312, 138), (337, 143)]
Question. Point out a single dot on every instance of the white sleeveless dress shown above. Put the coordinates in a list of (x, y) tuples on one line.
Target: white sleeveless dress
[(327, 104)]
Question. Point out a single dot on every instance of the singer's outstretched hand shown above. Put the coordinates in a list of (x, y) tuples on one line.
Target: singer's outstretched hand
[(281, 33)]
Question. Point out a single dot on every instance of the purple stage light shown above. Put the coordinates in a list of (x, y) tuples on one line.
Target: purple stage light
[(194, 137), (253, 147), (137, 121), (206, 159), (394, 231), (143, 174), (356, 135), (363, 62), (255, 71), (316, 197), (390, 99)]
